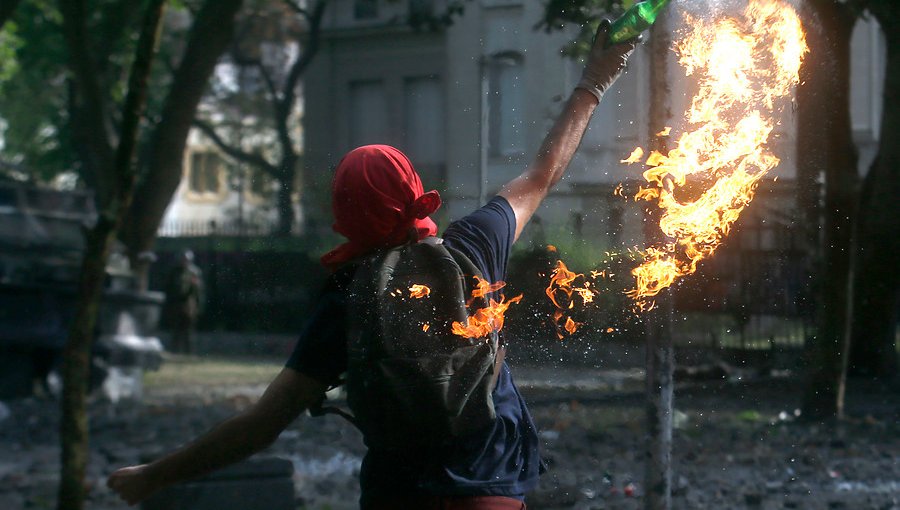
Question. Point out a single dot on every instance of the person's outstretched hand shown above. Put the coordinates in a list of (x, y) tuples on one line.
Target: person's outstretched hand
[(604, 64), (133, 484)]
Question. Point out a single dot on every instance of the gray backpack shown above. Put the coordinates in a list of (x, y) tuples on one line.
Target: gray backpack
[(411, 382)]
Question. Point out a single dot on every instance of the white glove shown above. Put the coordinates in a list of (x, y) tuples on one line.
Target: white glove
[(604, 65)]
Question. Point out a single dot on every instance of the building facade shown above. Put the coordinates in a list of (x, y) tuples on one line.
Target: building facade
[(471, 104), (218, 196)]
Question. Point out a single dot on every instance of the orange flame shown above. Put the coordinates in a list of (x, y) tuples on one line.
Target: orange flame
[(483, 288), (564, 280), (426, 327), (571, 326), (635, 156), (485, 320), (419, 291), (744, 66)]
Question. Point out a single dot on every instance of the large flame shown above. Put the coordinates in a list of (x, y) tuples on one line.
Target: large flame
[(745, 67)]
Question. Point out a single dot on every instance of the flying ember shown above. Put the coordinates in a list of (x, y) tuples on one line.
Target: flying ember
[(419, 291), (746, 68), (571, 326), (563, 284), (635, 156), (483, 288)]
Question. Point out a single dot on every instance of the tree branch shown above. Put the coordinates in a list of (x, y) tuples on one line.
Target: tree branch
[(294, 6), (238, 154), (135, 101), (210, 33), (285, 104), (116, 21), (88, 96), (303, 60), (270, 83), (243, 61)]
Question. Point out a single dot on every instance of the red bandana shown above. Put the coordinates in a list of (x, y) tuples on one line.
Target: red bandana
[(377, 199)]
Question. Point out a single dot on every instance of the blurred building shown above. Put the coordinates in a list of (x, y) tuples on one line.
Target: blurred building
[(471, 104), (218, 196)]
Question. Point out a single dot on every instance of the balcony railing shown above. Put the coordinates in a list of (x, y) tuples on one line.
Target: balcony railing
[(201, 228)]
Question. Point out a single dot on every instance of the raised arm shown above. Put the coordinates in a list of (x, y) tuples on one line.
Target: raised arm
[(235, 439), (604, 65)]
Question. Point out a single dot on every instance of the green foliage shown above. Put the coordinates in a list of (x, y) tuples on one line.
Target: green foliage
[(585, 14), (34, 80), (10, 42), (33, 97), (750, 415)]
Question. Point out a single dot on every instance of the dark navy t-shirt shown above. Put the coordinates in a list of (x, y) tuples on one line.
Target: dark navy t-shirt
[(503, 460)]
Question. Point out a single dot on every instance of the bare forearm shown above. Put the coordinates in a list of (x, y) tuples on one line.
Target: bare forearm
[(229, 442), (526, 192), (563, 139), (604, 65), (235, 439)]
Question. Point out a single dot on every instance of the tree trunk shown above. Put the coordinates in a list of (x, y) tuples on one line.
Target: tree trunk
[(877, 257), (287, 174), (660, 357), (210, 35), (76, 369), (119, 176), (825, 139)]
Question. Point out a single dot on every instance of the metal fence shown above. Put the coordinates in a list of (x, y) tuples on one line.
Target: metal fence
[(250, 291), (203, 228), (756, 292)]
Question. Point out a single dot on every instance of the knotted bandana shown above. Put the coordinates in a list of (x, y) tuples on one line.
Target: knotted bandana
[(378, 202)]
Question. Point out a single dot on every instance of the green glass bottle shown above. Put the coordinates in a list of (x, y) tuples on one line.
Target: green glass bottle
[(635, 20)]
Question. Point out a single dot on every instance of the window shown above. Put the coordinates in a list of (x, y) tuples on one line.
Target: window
[(424, 119), (368, 113), (506, 126), (365, 9), (205, 172)]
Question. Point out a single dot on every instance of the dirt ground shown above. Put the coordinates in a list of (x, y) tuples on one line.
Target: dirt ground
[(737, 443)]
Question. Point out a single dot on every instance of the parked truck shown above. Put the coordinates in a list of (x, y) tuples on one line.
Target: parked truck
[(41, 245)]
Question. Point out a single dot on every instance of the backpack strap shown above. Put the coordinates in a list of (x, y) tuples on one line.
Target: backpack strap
[(498, 365), (318, 409)]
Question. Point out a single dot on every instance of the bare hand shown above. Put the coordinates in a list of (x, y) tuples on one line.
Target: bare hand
[(604, 65), (132, 484)]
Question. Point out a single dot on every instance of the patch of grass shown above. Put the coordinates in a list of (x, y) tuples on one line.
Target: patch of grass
[(196, 371), (750, 415)]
